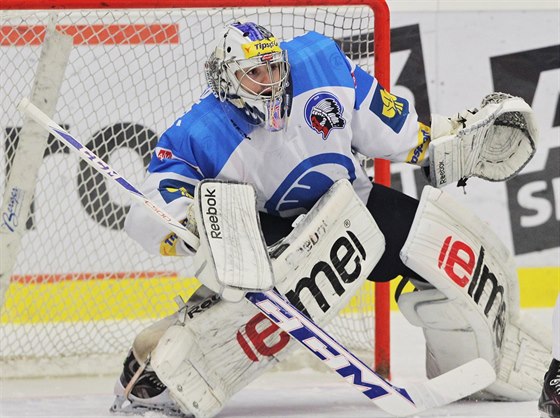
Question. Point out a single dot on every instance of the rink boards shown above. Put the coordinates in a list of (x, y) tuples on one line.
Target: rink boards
[(84, 294)]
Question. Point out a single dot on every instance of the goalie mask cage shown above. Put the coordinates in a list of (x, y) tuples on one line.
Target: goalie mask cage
[(80, 289)]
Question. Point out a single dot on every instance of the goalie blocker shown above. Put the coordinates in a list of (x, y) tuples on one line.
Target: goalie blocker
[(232, 258), (471, 308)]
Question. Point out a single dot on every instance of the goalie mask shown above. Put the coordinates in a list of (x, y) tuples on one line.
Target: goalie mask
[(250, 70)]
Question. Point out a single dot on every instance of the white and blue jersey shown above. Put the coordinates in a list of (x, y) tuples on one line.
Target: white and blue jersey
[(338, 110)]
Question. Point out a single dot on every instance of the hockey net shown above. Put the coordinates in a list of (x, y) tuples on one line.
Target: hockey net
[(80, 289)]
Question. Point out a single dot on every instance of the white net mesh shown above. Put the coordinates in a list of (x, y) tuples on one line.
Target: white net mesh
[(81, 289)]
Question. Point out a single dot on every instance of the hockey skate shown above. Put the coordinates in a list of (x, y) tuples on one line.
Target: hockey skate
[(138, 390), (549, 402)]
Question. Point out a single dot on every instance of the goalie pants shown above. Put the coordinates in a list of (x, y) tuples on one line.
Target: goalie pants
[(393, 212)]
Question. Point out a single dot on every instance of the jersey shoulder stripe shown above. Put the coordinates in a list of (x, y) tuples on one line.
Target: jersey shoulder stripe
[(364, 81), (317, 61)]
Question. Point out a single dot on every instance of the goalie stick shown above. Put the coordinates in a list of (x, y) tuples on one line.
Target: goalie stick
[(101, 166), (398, 401)]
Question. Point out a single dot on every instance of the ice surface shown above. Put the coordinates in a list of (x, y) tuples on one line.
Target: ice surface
[(287, 394)]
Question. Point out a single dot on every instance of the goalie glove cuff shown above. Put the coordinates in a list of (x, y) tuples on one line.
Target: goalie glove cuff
[(190, 223), (172, 245)]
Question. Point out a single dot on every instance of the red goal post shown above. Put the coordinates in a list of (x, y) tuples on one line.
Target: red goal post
[(25, 281)]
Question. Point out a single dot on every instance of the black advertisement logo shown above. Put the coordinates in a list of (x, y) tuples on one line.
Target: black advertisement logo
[(533, 204)]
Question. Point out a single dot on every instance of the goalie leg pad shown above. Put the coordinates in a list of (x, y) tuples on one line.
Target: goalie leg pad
[(319, 266), (451, 341), (145, 341), (202, 363), (473, 310)]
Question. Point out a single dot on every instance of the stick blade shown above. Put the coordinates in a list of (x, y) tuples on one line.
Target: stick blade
[(452, 386)]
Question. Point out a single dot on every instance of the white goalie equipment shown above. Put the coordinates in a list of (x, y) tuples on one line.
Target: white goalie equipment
[(181, 362), (209, 357), (493, 143), (232, 258), (470, 308)]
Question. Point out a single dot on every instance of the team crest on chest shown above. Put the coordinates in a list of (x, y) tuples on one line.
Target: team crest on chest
[(323, 113)]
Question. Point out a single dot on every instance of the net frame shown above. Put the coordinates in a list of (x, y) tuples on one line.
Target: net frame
[(382, 73)]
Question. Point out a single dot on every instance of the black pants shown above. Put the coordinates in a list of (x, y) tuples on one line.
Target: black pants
[(393, 212)]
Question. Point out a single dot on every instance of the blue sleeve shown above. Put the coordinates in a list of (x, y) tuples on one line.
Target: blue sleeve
[(385, 125), (363, 81), (172, 155), (317, 61), (199, 143)]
